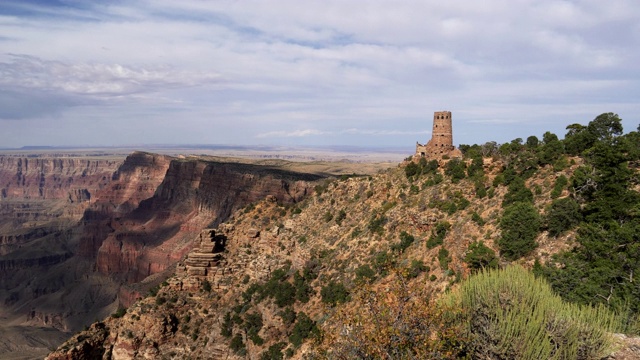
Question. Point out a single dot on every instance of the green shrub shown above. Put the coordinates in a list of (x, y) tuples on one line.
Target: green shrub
[(438, 234), (416, 268), (376, 224), (456, 170), (520, 225), (563, 214), (334, 293), (406, 240), (365, 273), (514, 315), (517, 192), (477, 219), (303, 329), (382, 262), (237, 345), (561, 183), (479, 256), (206, 285), (252, 325), (227, 326), (274, 352), (480, 189), (288, 316), (340, 217), (443, 258), (119, 313), (411, 169), (302, 288)]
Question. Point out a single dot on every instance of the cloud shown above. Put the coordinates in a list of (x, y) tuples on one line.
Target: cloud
[(333, 70), (315, 132), (384, 132), (96, 79), (294, 133)]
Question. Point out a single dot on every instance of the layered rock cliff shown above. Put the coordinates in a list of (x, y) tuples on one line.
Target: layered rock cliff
[(78, 238)]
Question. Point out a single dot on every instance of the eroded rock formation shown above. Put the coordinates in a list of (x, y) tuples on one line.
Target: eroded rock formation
[(96, 234)]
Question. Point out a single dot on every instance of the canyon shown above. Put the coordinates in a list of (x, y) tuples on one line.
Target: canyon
[(81, 236)]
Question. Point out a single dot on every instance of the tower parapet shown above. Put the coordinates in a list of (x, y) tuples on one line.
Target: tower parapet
[(441, 142)]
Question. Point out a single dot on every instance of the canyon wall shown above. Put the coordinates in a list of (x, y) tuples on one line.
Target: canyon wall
[(80, 237)]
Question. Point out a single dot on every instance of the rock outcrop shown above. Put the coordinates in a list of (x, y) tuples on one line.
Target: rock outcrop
[(193, 195), (93, 235)]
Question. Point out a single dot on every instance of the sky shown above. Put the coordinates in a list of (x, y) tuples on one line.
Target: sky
[(315, 73)]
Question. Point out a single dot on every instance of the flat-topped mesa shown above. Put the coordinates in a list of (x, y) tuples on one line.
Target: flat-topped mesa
[(441, 142)]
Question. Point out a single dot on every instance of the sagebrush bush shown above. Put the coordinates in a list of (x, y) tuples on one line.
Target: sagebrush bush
[(511, 314)]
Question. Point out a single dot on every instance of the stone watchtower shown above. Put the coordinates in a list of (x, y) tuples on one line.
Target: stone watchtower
[(441, 142)]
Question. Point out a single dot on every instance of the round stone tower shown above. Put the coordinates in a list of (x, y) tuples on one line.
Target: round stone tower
[(442, 134), (441, 142)]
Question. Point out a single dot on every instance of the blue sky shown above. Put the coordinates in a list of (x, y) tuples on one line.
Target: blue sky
[(331, 72)]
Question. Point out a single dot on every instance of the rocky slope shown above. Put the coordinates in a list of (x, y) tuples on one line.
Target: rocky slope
[(81, 236), (225, 302)]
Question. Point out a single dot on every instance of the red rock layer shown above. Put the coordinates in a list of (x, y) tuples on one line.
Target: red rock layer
[(193, 195)]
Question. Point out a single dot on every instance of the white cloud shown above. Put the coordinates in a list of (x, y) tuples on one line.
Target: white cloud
[(235, 71), (294, 133), (94, 78)]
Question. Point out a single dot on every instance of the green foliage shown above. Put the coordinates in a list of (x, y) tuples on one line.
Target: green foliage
[(284, 294), (438, 234), (532, 142), (334, 293), (436, 179), (560, 185), (411, 169), (376, 224), (480, 188), (237, 345), (514, 315), (119, 313), (476, 168), (382, 262), (406, 240), (453, 203), (520, 225), (303, 290), (602, 269), (477, 219), (328, 216), (279, 289), (227, 326), (421, 168), (517, 192), (206, 285), (252, 325), (341, 216), (274, 352), (288, 316), (364, 273), (551, 150), (605, 127), (304, 328), (456, 170), (479, 256), (416, 268), (563, 214), (443, 258)]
